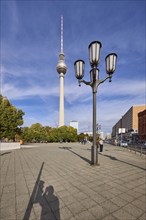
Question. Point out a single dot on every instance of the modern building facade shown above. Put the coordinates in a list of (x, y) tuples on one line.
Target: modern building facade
[(128, 124), (61, 69), (142, 125)]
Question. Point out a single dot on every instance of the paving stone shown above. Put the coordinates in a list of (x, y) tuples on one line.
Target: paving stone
[(85, 215), (80, 196), (142, 217), (134, 194), (139, 190), (109, 217), (123, 215), (111, 207), (115, 191), (107, 194), (4, 204), (98, 198), (63, 193), (133, 210), (127, 197), (98, 212), (72, 218), (143, 198), (139, 204), (72, 188), (21, 199), (7, 211), (76, 208), (13, 217), (88, 203), (68, 199), (118, 201)]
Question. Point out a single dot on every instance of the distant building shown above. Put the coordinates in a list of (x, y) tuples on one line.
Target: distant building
[(128, 124), (108, 136), (101, 134), (74, 124), (142, 125), (90, 133)]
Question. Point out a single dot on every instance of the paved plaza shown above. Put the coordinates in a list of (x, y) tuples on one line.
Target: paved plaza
[(57, 181)]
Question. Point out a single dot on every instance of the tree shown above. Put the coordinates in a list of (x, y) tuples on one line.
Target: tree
[(68, 134), (11, 119), (26, 134), (38, 133), (81, 137)]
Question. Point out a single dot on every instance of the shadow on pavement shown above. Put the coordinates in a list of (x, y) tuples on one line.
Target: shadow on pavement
[(8, 152), (114, 158), (65, 148), (45, 198), (86, 149), (111, 157), (69, 149)]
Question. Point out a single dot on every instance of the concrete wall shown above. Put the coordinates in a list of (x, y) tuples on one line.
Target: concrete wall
[(9, 146)]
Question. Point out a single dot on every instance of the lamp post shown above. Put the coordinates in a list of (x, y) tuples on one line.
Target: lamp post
[(98, 127), (79, 65)]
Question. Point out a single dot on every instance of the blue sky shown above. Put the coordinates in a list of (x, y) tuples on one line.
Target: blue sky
[(30, 46)]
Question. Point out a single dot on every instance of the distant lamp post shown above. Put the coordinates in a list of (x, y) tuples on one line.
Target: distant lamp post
[(98, 127), (79, 65)]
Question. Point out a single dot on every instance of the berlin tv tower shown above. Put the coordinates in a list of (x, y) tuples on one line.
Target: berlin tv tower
[(61, 69)]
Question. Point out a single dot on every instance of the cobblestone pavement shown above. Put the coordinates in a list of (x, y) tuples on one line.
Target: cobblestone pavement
[(56, 181)]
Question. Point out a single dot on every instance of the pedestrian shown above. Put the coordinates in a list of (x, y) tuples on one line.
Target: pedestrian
[(101, 145)]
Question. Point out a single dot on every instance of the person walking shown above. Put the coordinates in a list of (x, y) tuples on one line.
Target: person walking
[(101, 145)]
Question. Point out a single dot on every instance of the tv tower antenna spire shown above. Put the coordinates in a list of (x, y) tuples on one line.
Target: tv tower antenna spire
[(61, 33)]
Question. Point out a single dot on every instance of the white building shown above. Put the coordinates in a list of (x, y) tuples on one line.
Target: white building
[(101, 134), (108, 136), (90, 133), (75, 124)]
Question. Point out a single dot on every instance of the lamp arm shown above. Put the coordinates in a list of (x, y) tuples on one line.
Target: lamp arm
[(103, 80), (85, 82)]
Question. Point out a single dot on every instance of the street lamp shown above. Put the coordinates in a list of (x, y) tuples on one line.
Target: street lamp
[(79, 65)]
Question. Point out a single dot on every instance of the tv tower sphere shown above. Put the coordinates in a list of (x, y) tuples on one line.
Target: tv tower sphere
[(61, 66)]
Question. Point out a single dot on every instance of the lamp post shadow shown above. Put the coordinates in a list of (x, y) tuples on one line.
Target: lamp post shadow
[(69, 149), (116, 159)]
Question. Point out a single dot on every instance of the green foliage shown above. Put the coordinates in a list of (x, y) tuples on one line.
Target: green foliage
[(38, 133), (67, 134), (81, 136), (10, 119)]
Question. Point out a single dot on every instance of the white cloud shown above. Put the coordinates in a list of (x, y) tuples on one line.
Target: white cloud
[(116, 89), (15, 93), (108, 112)]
